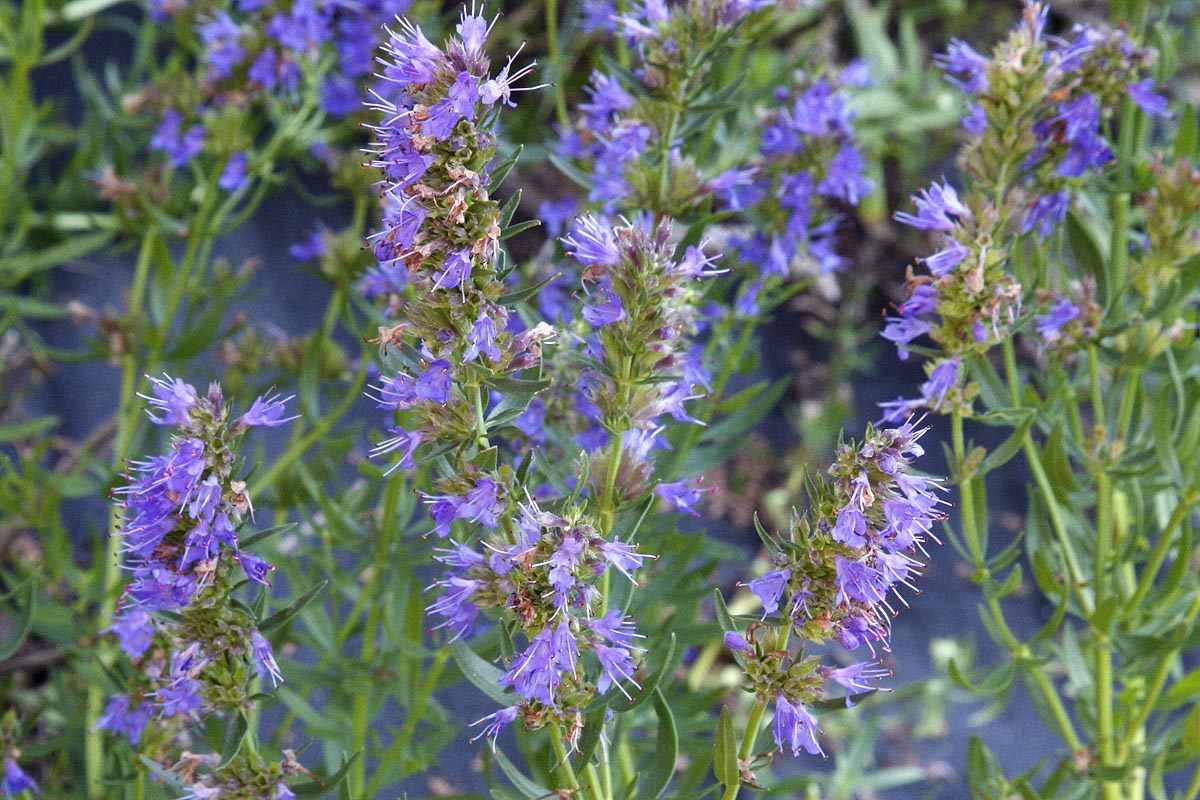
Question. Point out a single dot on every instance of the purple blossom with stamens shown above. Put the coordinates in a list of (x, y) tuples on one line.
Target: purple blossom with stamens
[(401, 441), (963, 61), (623, 558), (482, 339), (608, 312), (536, 673), (264, 658), (134, 629), (173, 397), (592, 241), (255, 568), (267, 411), (938, 207), (855, 678), (434, 384), (456, 605), (455, 272), (943, 377), (903, 330), (119, 719), (769, 589), (947, 258), (1050, 325), (795, 728), (496, 723), (1045, 213), (15, 780), (1147, 100), (684, 495)]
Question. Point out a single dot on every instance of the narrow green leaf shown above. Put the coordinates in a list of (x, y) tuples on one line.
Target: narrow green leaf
[(501, 170), (1086, 248), (522, 783), (517, 296), (29, 429), (1187, 139), (162, 773), (649, 684), (1007, 449), (255, 538), (512, 230), (30, 307), (995, 682), (484, 675), (235, 732), (319, 787), (21, 623), (666, 751), (725, 747), (285, 615)]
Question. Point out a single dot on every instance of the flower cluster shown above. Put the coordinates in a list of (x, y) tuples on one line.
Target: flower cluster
[(196, 651), (257, 52), (629, 126), (640, 311), (437, 254), (808, 165), (1037, 117), (861, 541), (245, 777), (435, 147), (544, 569)]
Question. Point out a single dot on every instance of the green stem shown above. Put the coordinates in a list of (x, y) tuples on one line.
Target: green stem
[(1159, 554), (563, 766), (360, 714), (1018, 651), (1157, 683), (109, 571), (594, 782), (1034, 460), (560, 96), (1119, 208), (298, 447), (752, 726), (404, 738)]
